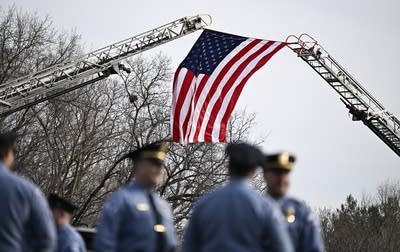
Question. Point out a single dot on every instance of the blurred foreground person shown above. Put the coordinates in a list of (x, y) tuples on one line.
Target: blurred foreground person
[(235, 217), (135, 218), (26, 223), (304, 226), (68, 239)]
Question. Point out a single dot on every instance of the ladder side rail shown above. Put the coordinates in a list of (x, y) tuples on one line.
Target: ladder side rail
[(176, 28), (147, 47), (91, 57), (357, 90), (359, 96), (333, 74), (365, 107), (379, 108), (394, 145), (47, 82), (178, 22), (77, 78), (386, 117), (363, 92), (15, 92), (99, 51), (385, 123), (357, 84), (46, 95), (64, 73), (310, 48), (100, 60)]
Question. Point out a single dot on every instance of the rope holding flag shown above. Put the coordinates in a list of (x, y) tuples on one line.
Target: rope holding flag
[(209, 81)]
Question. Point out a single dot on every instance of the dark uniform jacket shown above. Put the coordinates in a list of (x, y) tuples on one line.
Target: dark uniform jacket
[(69, 240), (236, 218), (26, 223), (304, 226), (128, 222)]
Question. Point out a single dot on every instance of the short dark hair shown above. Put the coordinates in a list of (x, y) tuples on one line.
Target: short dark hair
[(7, 140), (244, 158), (57, 202)]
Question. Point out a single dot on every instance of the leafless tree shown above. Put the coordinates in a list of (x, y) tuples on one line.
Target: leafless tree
[(71, 144), (29, 43)]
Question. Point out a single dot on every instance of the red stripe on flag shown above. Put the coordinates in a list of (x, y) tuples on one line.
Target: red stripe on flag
[(238, 90), (179, 103), (187, 117), (199, 88), (227, 87), (216, 83)]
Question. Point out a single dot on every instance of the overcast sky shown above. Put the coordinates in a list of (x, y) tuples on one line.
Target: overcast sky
[(295, 107)]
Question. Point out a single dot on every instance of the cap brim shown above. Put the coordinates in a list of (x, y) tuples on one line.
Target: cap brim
[(155, 161), (278, 170)]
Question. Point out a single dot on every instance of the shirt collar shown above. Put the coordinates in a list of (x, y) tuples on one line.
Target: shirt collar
[(3, 167), (279, 200), (239, 181), (64, 226), (137, 184)]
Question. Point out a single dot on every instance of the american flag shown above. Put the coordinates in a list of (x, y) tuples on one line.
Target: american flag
[(208, 82)]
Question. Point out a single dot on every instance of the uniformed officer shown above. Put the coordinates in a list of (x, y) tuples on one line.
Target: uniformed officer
[(304, 226), (68, 239), (26, 223), (235, 217), (135, 218)]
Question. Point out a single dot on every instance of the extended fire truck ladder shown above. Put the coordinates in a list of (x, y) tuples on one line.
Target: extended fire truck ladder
[(62, 78), (361, 104)]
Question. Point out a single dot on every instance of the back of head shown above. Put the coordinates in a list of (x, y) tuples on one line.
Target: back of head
[(7, 140), (57, 202), (244, 159)]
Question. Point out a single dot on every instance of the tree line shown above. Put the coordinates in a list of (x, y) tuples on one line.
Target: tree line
[(70, 144), (372, 224)]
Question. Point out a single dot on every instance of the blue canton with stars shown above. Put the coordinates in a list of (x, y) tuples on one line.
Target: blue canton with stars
[(209, 50)]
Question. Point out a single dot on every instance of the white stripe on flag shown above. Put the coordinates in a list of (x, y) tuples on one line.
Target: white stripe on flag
[(227, 99), (185, 109), (189, 126), (178, 86), (209, 83), (222, 84), (176, 91)]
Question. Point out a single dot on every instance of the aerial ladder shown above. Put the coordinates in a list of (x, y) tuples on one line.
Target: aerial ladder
[(360, 103), (62, 78)]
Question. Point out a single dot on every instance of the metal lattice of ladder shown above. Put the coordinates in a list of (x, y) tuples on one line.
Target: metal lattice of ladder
[(62, 78), (361, 104)]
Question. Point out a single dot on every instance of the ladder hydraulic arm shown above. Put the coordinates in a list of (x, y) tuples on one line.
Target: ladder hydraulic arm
[(361, 104), (62, 78)]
